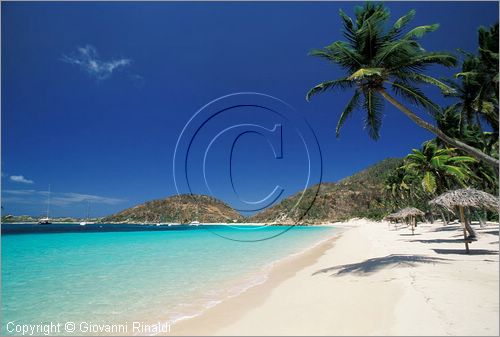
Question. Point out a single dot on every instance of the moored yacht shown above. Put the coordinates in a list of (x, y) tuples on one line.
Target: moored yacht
[(84, 223), (46, 220)]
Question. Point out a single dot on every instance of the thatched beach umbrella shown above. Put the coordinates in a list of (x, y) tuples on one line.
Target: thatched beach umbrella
[(393, 217), (411, 213), (467, 197)]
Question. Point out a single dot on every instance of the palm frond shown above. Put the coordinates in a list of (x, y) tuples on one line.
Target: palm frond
[(437, 161), (321, 53), (343, 54), (342, 83), (414, 95), (458, 172), (429, 182), (420, 31), (349, 31), (347, 111), (401, 47), (411, 164), (401, 23), (447, 90), (422, 59), (462, 159), (373, 104), (347, 20)]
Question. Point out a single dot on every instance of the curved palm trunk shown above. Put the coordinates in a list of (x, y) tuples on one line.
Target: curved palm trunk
[(445, 220), (440, 134)]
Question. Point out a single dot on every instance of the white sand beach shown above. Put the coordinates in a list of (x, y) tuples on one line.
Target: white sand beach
[(371, 280)]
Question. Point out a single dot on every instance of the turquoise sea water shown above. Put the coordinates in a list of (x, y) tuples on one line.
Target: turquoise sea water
[(114, 277)]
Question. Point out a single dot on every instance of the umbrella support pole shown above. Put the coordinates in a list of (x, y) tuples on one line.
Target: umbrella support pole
[(462, 219)]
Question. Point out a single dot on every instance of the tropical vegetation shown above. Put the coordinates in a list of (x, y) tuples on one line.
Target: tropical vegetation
[(382, 62)]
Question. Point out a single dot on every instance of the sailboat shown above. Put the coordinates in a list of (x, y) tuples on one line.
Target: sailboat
[(84, 223), (46, 220), (195, 222)]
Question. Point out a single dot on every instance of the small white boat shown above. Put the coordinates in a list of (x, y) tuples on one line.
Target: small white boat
[(158, 221), (46, 220), (195, 222), (84, 223)]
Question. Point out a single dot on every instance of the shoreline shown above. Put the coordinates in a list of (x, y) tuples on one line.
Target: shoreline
[(370, 279), (231, 308), (266, 274)]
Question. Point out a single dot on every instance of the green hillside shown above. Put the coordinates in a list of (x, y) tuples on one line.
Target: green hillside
[(359, 195), (178, 209)]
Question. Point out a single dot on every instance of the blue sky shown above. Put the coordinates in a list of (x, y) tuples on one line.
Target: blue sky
[(95, 95)]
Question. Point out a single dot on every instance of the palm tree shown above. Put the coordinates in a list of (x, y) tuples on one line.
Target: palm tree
[(439, 169), (394, 188), (477, 90), (401, 189), (449, 122), (482, 70), (373, 57), (466, 91), (455, 122)]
